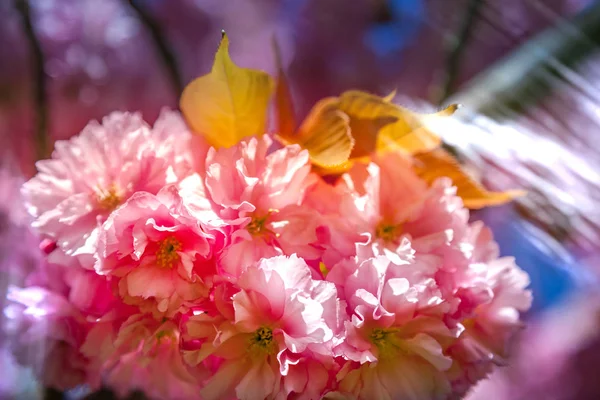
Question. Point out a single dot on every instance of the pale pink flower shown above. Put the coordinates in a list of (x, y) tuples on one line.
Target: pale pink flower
[(142, 354), (396, 338), (491, 293), (392, 202), (281, 315), (93, 173), (46, 332), (337, 230), (158, 253), (251, 190)]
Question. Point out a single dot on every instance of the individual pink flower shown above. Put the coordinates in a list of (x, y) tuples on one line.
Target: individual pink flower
[(281, 318), (92, 174), (46, 332), (251, 190), (337, 230), (396, 338), (160, 255), (392, 202), (142, 353), (491, 293)]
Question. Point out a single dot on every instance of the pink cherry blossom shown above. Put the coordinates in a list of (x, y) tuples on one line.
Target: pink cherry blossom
[(160, 256), (253, 190), (396, 338), (392, 202), (143, 354), (93, 173), (491, 292), (336, 229), (280, 316), (189, 272)]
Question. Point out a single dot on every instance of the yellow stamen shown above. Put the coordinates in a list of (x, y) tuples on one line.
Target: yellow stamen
[(109, 199), (388, 232), (256, 227), (262, 341), (167, 255), (258, 224), (387, 342)]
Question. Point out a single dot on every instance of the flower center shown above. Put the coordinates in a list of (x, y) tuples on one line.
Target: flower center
[(388, 232), (258, 224), (386, 342), (167, 255), (262, 342), (108, 200)]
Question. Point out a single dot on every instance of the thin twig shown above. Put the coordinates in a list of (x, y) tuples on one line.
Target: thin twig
[(457, 49), (39, 80), (160, 41)]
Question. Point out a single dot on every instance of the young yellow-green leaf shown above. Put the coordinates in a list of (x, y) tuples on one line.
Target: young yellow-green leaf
[(325, 133), (229, 103), (438, 163)]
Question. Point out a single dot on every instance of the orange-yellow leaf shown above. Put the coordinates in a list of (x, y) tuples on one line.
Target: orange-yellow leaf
[(410, 134), (438, 163), (229, 103), (379, 125), (284, 107), (368, 114), (340, 168), (325, 133)]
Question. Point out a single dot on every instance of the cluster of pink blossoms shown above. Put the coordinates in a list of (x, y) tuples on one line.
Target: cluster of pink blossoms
[(190, 272)]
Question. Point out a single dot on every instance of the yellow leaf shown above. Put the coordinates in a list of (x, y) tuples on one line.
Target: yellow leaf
[(229, 103), (340, 168), (438, 163), (325, 133), (368, 114), (379, 125), (284, 107), (410, 133), (390, 97)]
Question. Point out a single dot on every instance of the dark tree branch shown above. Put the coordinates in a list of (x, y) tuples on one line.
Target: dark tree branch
[(39, 80), (456, 51), (53, 394), (160, 42)]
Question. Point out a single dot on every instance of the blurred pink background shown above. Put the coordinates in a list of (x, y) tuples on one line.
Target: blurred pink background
[(137, 55)]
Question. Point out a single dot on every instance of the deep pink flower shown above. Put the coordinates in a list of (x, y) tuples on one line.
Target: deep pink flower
[(158, 253)]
